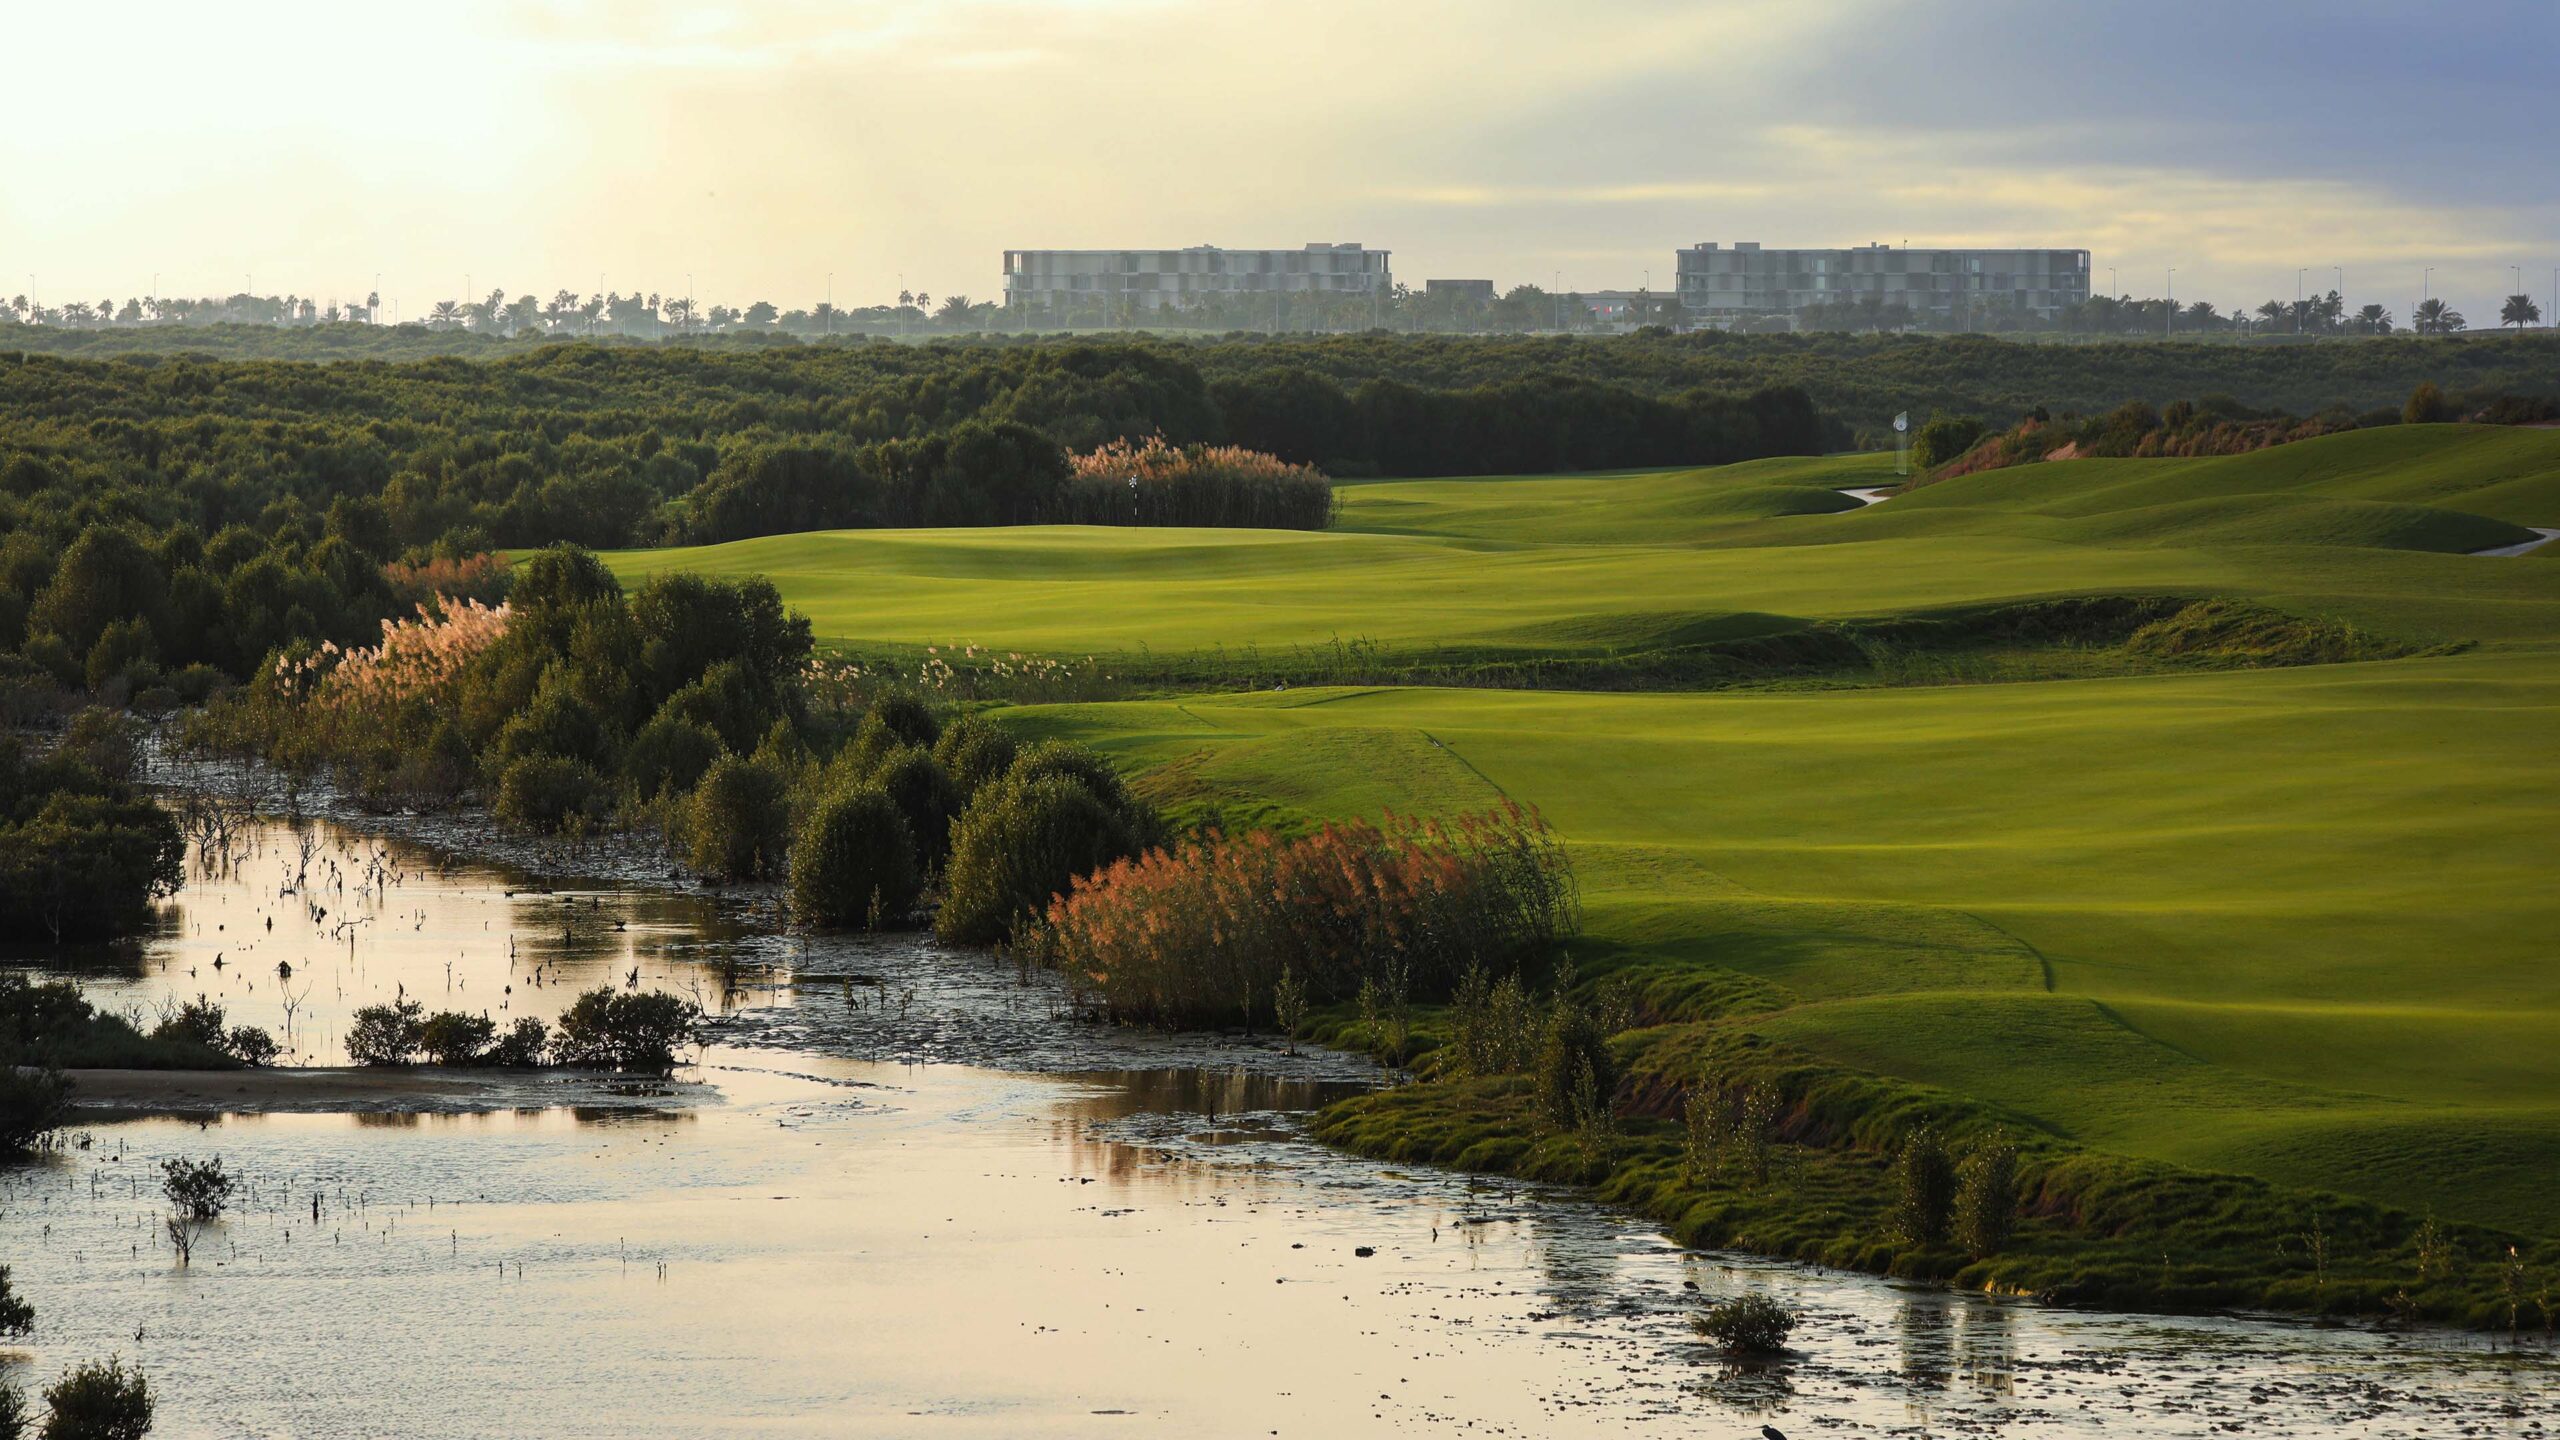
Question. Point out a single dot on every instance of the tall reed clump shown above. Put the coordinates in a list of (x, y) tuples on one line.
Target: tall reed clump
[(385, 707), (1204, 932), (1148, 482)]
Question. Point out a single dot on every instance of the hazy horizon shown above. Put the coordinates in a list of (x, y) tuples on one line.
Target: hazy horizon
[(750, 153)]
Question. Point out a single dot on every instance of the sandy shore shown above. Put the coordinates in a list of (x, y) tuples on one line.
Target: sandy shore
[(418, 1090)]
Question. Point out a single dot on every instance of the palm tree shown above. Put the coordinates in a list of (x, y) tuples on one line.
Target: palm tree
[(2519, 311), (2374, 320), (444, 316), (2434, 317), (955, 309)]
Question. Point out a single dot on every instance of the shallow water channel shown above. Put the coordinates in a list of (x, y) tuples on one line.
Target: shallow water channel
[(904, 1195)]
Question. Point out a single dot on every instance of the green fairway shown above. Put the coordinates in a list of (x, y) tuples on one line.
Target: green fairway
[(2298, 923), (2254, 920), (1590, 563)]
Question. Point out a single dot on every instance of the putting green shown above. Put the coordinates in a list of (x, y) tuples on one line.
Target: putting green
[(2299, 923)]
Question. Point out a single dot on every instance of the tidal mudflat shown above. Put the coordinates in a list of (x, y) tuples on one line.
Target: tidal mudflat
[(904, 1193)]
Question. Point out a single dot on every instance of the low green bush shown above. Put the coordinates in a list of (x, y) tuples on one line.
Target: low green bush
[(523, 1046), (98, 1400), (387, 1034), (1020, 844), (17, 1317), (550, 795), (974, 752), (669, 755), (1748, 1324), (737, 821), (621, 1031), (1944, 438), (33, 1103), (450, 1037), (855, 861), (251, 1046), (925, 795)]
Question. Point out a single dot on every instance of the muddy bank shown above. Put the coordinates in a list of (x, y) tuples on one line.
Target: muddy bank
[(416, 1090)]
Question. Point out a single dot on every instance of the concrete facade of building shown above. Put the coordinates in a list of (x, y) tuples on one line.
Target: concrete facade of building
[(1724, 284), (1156, 279)]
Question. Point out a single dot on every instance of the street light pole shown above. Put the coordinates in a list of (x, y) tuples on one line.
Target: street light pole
[(2297, 300), (2169, 323)]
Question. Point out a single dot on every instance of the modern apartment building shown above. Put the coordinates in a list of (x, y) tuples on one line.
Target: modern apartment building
[(1154, 279), (1720, 285)]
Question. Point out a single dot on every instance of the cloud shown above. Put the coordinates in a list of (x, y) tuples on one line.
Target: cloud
[(764, 144)]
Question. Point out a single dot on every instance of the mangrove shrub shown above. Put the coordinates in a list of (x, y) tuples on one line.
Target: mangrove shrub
[(98, 1400), (737, 821), (855, 861), (1749, 1324), (1020, 844), (611, 1031)]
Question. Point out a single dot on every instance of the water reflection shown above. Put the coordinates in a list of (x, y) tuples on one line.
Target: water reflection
[(309, 921), (1926, 1331)]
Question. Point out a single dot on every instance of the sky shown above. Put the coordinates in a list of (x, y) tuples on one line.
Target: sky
[(753, 150)]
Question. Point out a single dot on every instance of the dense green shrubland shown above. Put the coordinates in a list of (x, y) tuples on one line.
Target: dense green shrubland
[(1301, 382), (563, 706), (692, 706), (1952, 445), (619, 446), (83, 852), (171, 522)]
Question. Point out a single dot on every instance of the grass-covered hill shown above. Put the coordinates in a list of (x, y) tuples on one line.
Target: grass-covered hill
[(2364, 523), (2153, 887)]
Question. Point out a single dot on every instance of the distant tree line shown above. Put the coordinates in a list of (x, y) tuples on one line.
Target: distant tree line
[(1860, 380), (1522, 309), (169, 521)]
